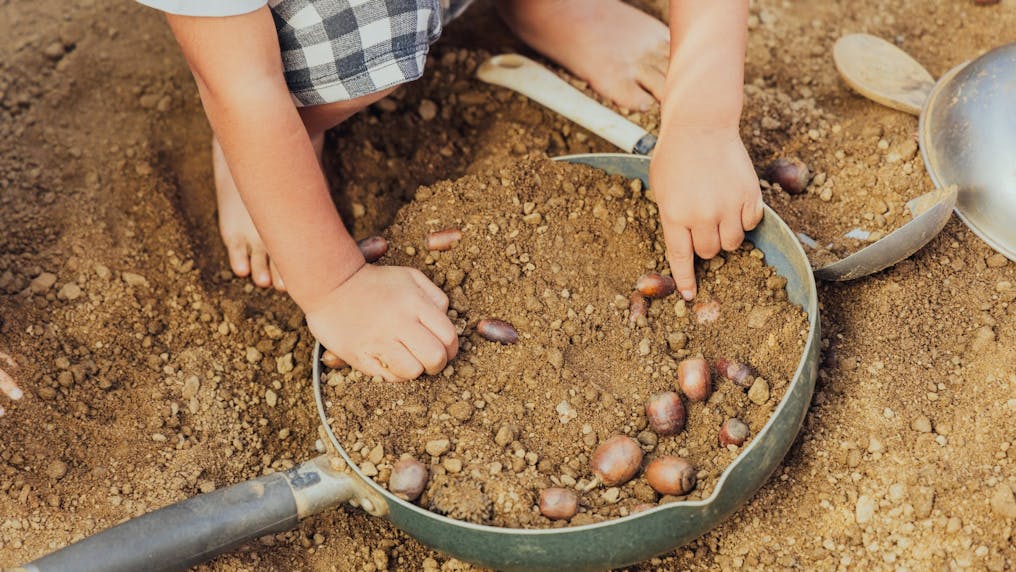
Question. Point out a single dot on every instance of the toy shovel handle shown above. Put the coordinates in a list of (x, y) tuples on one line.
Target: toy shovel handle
[(882, 72), (536, 82), (181, 535)]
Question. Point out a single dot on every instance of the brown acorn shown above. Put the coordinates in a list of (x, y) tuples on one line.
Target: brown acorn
[(616, 460), (497, 331), (671, 475), (373, 248), (665, 413), (558, 503), (737, 372), (638, 308), (791, 174), (694, 379), (408, 479), (655, 285), (331, 360), (442, 240), (733, 432)]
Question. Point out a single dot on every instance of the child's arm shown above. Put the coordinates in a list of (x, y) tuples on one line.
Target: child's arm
[(701, 174), (383, 321)]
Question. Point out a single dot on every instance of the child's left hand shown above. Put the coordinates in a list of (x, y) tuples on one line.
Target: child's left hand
[(7, 385), (708, 195)]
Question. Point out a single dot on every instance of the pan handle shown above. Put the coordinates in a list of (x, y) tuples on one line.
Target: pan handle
[(536, 82), (181, 535)]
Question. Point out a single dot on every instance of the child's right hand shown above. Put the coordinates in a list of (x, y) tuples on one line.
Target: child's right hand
[(388, 321)]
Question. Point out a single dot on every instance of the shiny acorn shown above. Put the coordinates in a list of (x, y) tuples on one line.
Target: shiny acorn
[(558, 503), (791, 174), (671, 475), (331, 360), (655, 285), (616, 460), (638, 308), (497, 331), (373, 248), (694, 379), (408, 479), (737, 372), (707, 311), (733, 432), (665, 413), (442, 240)]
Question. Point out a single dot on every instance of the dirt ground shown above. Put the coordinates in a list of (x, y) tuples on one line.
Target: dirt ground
[(153, 375)]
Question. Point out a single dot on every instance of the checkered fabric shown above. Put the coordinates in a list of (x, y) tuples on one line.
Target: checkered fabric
[(336, 50)]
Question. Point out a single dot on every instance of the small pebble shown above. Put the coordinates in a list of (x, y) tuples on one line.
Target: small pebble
[(437, 447)]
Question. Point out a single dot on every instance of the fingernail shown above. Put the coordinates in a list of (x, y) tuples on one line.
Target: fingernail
[(687, 294), (16, 393)]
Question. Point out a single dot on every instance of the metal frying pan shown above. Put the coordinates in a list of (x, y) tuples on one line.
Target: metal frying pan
[(529, 78), (194, 530)]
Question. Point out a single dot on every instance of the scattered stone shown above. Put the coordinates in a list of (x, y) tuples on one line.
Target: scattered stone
[(461, 410), (437, 447), (70, 291), (865, 509), (921, 424), (759, 392), (996, 261), (42, 283), (284, 364), (271, 398), (428, 110), (190, 387), (133, 279), (1003, 502), (56, 469)]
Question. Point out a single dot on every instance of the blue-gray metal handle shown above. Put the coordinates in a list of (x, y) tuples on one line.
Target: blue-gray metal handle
[(181, 535)]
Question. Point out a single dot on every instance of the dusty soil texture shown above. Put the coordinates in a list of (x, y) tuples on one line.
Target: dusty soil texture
[(555, 250), (153, 375)]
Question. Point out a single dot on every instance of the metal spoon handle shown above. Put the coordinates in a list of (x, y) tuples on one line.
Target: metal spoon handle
[(882, 72)]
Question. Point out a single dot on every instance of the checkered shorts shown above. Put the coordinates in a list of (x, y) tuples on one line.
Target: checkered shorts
[(336, 50)]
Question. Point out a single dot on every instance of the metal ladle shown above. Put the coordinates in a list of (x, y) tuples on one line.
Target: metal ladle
[(967, 127), (519, 73)]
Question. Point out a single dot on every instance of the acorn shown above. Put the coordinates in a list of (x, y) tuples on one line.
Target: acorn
[(497, 331), (442, 240), (331, 360), (373, 248), (737, 372), (638, 308), (616, 460), (707, 311), (408, 479), (665, 413), (655, 285), (670, 475), (558, 503), (694, 379), (733, 432), (791, 174)]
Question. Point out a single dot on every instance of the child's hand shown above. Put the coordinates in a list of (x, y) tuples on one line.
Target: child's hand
[(7, 385), (388, 321), (708, 194)]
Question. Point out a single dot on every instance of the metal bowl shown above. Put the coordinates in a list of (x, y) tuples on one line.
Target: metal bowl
[(967, 132), (624, 541)]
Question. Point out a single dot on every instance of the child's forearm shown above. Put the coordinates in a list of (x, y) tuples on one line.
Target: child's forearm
[(705, 80), (237, 65)]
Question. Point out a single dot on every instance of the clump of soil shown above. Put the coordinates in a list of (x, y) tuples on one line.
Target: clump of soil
[(555, 250)]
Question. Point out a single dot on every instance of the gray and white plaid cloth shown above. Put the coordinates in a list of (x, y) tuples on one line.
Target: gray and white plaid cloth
[(336, 50)]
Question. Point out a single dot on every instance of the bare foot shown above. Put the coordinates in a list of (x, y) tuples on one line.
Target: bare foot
[(247, 253), (621, 51)]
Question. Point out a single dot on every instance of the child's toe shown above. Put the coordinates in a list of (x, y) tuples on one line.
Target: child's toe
[(276, 277), (260, 273), (239, 259)]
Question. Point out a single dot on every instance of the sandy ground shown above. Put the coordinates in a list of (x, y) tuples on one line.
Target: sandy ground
[(153, 375)]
